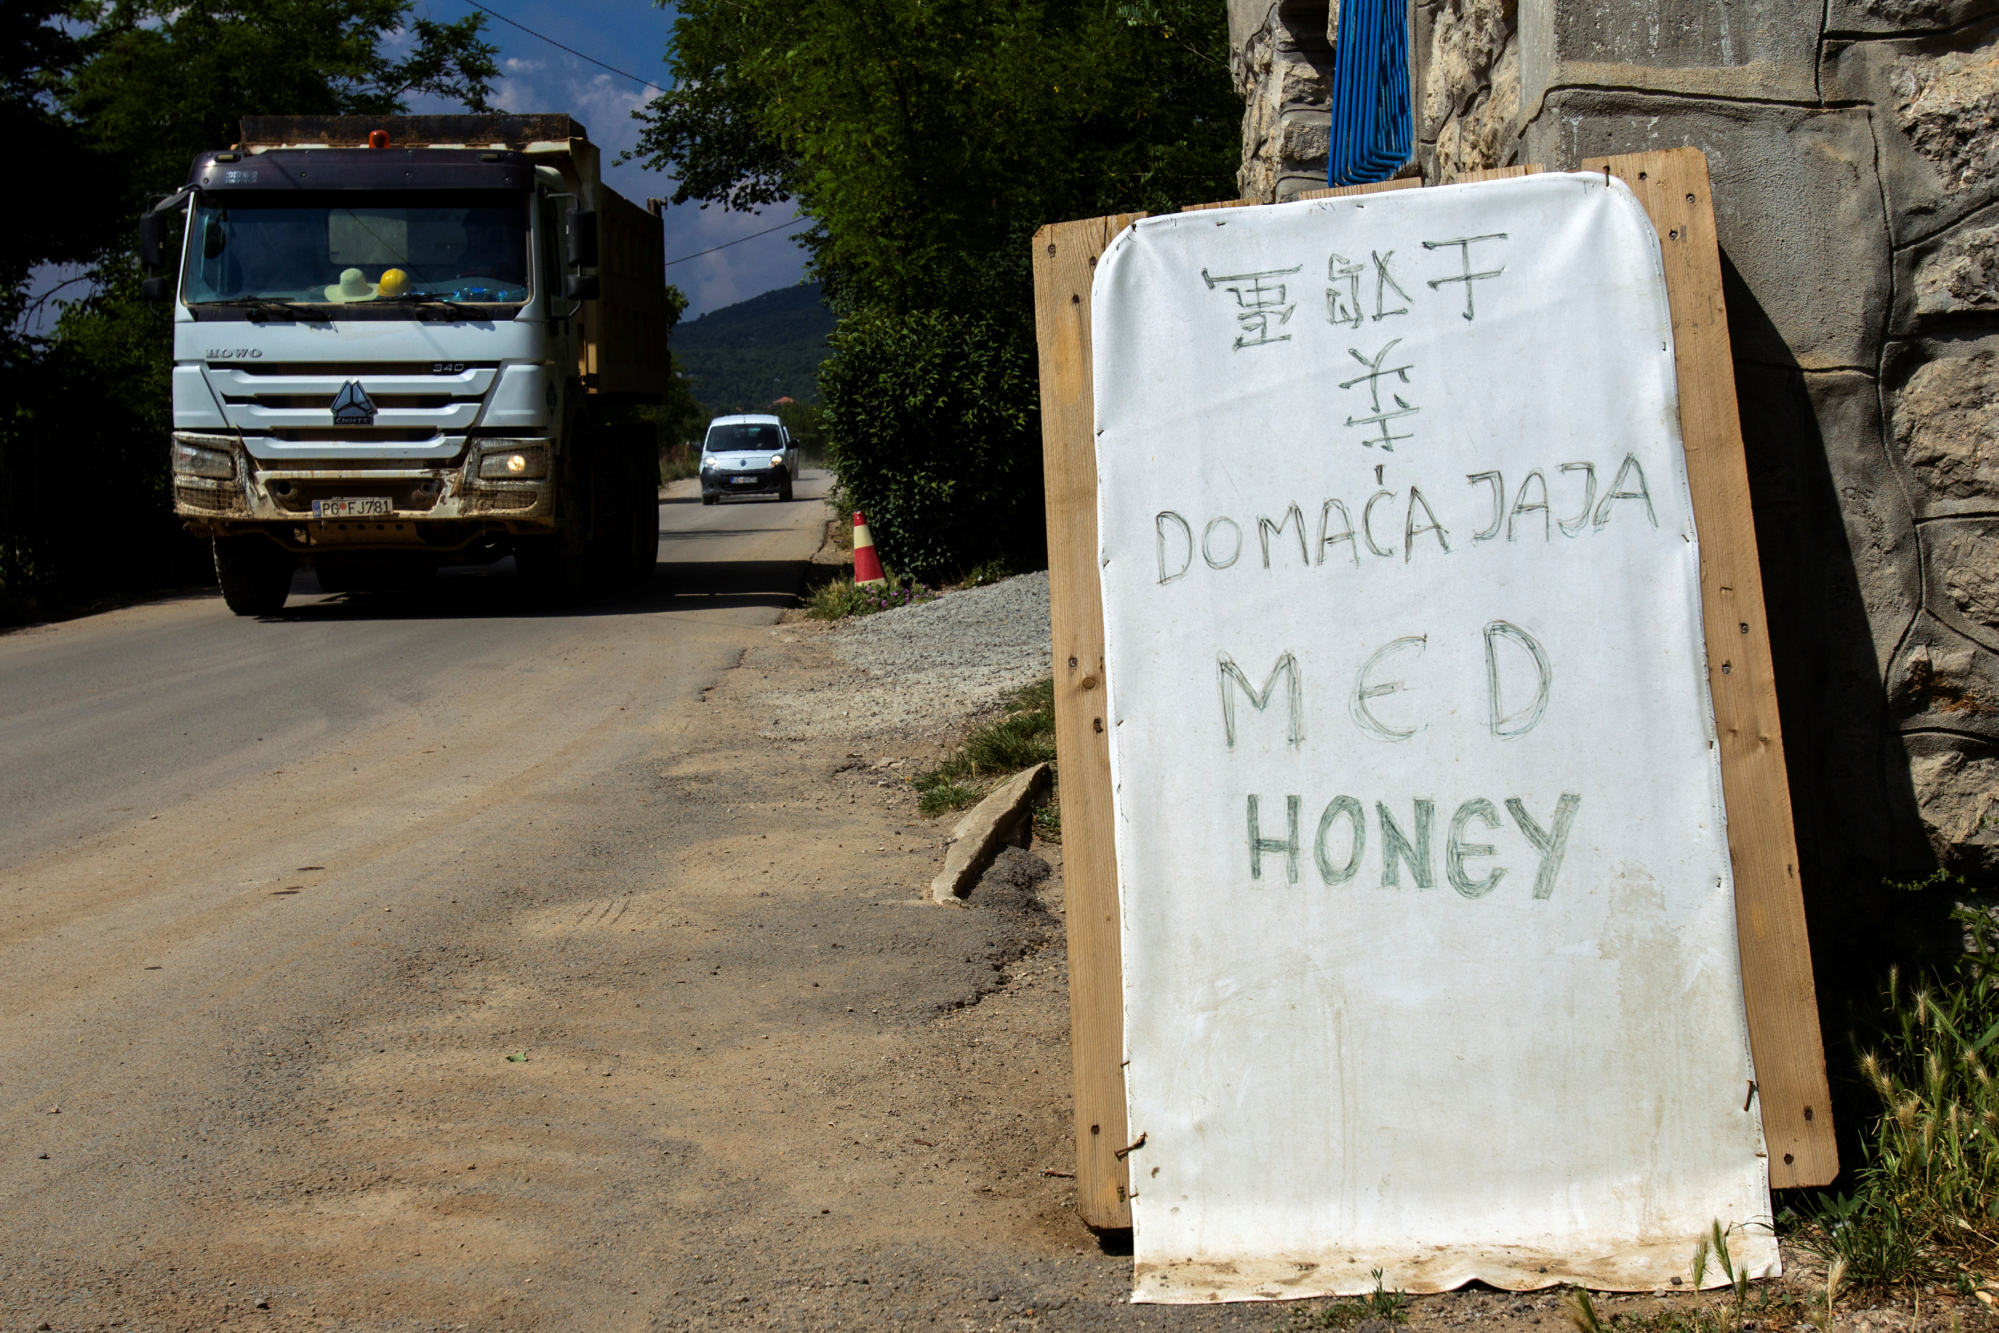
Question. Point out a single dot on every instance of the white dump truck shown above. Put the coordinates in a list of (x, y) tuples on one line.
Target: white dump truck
[(407, 342)]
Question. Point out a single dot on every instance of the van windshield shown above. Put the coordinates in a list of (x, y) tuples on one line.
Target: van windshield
[(358, 248), (749, 438)]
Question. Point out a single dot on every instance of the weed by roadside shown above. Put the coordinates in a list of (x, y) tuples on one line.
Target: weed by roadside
[(992, 571), (1379, 1306), (1742, 1307), (1022, 737), (843, 597), (1923, 1204)]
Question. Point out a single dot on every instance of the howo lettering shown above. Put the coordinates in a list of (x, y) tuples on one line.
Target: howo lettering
[(427, 359)]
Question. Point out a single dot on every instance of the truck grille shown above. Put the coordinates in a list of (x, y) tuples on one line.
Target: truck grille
[(294, 402)]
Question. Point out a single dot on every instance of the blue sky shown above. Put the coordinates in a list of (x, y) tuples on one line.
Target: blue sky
[(631, 35)]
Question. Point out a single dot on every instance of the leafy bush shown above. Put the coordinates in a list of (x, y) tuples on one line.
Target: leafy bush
[(931, 422)]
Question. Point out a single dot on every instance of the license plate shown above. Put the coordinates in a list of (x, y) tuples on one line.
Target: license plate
[(352, 506), (744, 481)]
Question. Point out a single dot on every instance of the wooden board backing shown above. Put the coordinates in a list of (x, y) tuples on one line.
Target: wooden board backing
[(1762, 846), (1776, 959), (1065, 259)]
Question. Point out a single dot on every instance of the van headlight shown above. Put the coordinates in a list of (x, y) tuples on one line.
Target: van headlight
[(521, 462), (204, 456), (777, 460)]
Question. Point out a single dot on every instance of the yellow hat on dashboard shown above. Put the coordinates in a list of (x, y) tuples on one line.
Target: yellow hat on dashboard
[(394, 283), (351, 287)]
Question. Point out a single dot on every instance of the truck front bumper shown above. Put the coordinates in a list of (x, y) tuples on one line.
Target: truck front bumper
[(496, 485)]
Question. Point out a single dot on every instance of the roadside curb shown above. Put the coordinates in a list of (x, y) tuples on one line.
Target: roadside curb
[(977, 838)]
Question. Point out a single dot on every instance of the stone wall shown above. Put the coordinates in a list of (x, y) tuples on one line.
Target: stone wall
[(1854, 147)]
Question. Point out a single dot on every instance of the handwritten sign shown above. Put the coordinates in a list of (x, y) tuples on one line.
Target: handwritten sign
[(1428, 931)]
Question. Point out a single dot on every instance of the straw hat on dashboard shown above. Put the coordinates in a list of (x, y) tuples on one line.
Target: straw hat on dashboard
[(353, 286)]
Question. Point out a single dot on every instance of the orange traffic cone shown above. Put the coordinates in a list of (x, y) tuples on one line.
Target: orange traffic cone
[(867, 565)]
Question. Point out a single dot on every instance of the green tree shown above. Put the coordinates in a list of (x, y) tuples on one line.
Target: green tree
[(927, 141), (117, 97)]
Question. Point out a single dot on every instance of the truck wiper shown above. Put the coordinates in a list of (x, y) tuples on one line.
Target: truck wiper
[(273, 305), (431, 301)]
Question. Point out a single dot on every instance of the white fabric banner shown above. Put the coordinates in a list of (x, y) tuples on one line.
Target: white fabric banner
[(1428, 927)]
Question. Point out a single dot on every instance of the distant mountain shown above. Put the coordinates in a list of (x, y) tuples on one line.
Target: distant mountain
[(743, 357)]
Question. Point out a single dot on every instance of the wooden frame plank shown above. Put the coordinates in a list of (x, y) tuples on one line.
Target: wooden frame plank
[(1777, 983), (1065, 259), (1778, 986), (1343, 191)]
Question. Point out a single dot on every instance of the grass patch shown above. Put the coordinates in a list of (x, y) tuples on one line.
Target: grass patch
[(1924, 1201), (843, 597), (1378, 1306), (1740, 1306), (1022, 737)]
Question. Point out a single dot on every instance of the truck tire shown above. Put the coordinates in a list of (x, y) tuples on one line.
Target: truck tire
[(708, 498), (645, 532), (255, 574), (784, 489), (554, 570)]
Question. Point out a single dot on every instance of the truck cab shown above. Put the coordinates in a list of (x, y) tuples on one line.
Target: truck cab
[(399, 344)]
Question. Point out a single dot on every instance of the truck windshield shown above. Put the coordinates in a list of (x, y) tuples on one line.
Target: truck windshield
[(378, 248)]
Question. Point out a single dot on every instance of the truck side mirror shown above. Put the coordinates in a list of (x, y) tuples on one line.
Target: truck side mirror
[(156, 290), (152, 239), (582, 238), (580, 286)]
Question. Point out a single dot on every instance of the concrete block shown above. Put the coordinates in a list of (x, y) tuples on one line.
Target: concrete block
[(979, 835), (1946, 684), (1951, 278), (1957, 793), (1961, 565), (1796, 203), (1936, 99), (1304, 137), (1943, 411), (1765, 50), (1888, 17), (1465, 39), (1485, 133)]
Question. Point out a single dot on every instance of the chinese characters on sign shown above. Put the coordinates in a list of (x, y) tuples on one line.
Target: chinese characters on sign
[(1262, 303)]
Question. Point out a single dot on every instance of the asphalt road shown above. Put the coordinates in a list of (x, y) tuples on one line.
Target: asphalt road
[(217, 831)]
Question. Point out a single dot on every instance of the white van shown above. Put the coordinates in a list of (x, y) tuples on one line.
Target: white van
[(747, 454)]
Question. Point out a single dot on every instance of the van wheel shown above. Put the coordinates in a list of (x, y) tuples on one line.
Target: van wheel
[(784, 490), (255, 574), (707, 499)]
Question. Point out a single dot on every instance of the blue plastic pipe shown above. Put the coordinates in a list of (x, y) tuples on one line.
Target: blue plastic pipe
[(1372, 130)]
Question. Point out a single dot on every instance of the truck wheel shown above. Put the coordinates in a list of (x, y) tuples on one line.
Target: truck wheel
[(645, 534), (255, 574), (554, 570), (784, 489), (708, 498)]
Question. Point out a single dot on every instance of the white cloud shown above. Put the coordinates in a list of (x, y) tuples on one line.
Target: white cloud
[(515, 65)]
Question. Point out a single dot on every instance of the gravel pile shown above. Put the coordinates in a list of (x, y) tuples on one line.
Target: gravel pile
[(918, 665)]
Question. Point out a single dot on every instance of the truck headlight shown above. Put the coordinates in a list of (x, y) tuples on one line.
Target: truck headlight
[(525, 462), (777, 460), (203, 456)]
